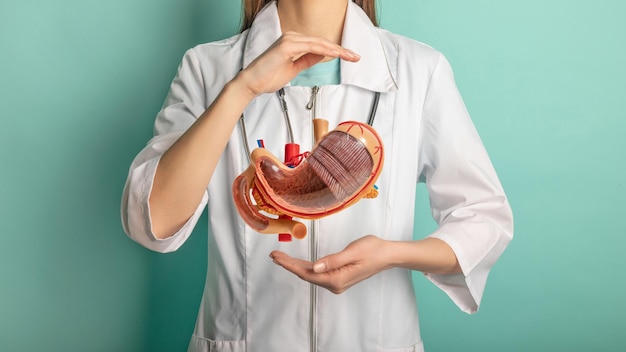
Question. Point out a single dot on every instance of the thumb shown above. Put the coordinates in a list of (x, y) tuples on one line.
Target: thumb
[(307, 60), (332, 262)]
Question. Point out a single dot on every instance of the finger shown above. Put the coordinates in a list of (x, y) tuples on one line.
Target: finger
[(333, 261), (336, 281), (298, 44), (299, 267), (306, 61)]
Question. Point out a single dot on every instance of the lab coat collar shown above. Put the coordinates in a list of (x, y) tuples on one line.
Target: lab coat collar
[(375, 70)]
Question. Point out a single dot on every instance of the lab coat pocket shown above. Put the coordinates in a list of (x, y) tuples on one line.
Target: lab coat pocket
[(201, 344)]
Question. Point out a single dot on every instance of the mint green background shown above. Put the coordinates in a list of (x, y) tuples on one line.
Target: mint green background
[(81, 82)]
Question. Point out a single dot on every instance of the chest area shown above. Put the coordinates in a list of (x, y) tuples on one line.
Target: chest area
[(273, 120)]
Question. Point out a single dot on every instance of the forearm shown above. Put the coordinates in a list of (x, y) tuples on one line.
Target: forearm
[(185, 169), (430, 255)]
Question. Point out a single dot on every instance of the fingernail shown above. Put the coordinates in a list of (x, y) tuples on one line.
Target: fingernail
[(319, 267), (353, 54)]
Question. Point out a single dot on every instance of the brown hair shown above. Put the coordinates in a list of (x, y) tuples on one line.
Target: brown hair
[(252, 7)]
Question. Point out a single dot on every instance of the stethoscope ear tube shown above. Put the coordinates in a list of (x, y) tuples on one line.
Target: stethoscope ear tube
[(370, 119), (281, 96)]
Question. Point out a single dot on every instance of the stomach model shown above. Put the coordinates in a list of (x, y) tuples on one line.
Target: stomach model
[(340, 170)]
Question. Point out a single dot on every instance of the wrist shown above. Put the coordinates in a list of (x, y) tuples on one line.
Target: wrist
[(429, 255), (395, 254), (386, 253), (242, 89)]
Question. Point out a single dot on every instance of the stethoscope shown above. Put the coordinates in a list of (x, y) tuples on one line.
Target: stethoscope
[(292, 156)]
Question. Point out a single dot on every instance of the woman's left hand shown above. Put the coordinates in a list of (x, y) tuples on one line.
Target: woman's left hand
[(338, 272)]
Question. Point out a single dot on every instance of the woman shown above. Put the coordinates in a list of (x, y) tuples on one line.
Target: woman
[(352, 288)]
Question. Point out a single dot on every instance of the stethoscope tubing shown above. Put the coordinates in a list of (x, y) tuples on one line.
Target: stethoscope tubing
[(281, 95)]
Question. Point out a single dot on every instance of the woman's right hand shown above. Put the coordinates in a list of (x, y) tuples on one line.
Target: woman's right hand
[(281, 62), (186, 168)]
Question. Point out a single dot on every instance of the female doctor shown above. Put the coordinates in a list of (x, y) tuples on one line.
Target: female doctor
[(352, 288)]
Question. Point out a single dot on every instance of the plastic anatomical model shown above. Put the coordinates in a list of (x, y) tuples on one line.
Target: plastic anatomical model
[(340, 170)]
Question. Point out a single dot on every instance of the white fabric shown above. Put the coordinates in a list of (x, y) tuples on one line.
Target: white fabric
[(249, 303)]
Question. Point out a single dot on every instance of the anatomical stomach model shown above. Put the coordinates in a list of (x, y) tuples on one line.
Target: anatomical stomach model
[(340, 170)]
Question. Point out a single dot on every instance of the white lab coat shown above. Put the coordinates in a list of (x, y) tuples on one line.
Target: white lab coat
[(251, 304)]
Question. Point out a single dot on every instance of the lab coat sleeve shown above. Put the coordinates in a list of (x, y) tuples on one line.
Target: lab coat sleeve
[(466, 197), (185, 102)]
